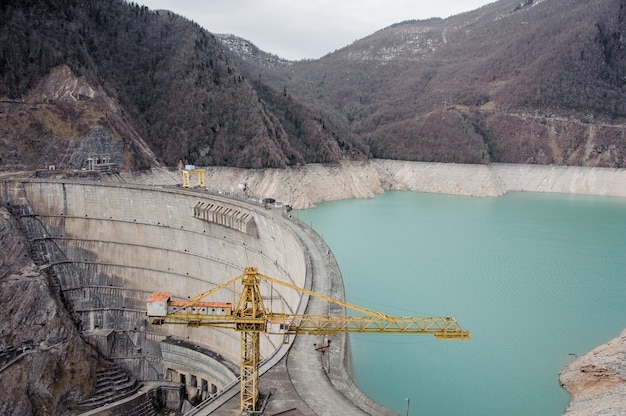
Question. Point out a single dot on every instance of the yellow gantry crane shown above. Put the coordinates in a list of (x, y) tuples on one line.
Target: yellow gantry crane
[(189, 170), (251, 318)]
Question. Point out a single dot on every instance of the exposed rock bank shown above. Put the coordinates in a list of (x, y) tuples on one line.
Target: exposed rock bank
[(303, 187), (597, 380)]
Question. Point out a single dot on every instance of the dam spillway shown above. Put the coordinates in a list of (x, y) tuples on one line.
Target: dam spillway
[(110, 246)]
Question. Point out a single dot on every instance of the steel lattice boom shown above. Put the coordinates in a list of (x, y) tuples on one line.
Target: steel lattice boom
[(440, 327)]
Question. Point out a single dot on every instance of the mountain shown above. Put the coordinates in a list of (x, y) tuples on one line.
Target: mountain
[(542, 81), (157, 82)]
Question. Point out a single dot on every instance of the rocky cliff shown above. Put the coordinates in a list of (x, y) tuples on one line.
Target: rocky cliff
[(65, 120), (597, 380), (45, 366)]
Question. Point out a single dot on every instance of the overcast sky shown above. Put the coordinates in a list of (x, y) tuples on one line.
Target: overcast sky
[(307, 29)]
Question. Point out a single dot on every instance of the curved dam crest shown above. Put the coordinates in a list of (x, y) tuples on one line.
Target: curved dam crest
[(126, 242), (110, 246)]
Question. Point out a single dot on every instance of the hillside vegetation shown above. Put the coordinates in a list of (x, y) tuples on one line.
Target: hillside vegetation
[(540, 82), (543, 81), (181, 93)]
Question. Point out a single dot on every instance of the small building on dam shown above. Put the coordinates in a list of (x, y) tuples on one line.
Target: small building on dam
[(111, 246)]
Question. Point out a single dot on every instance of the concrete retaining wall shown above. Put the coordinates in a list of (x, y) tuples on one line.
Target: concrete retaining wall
[(124, 242), (185, 364), (111, 246)]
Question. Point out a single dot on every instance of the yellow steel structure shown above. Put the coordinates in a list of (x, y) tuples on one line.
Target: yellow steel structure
[(187, 177), (251, 318)]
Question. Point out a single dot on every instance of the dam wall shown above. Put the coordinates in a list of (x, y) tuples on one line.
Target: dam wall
[(110, 246)]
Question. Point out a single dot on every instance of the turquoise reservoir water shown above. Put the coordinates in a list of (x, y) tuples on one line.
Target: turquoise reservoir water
[(538, 278)]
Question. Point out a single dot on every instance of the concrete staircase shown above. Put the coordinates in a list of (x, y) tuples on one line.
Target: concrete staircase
[(142, 408), (112, 385)]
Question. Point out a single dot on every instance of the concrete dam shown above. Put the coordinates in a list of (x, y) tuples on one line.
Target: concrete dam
[(110, 246)]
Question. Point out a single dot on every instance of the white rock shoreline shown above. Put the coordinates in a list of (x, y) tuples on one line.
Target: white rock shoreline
[(303, 187), (597, 380)]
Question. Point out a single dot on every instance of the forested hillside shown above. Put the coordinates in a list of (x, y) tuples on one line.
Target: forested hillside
[(542, 81), (182, 95)]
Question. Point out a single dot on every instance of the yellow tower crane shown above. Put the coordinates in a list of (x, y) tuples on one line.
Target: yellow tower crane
[(251, 318)]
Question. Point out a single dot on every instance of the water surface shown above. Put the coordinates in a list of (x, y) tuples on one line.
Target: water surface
[(537, 278)]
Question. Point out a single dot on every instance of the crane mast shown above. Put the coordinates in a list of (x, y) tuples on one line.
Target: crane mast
[(251, 318)]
